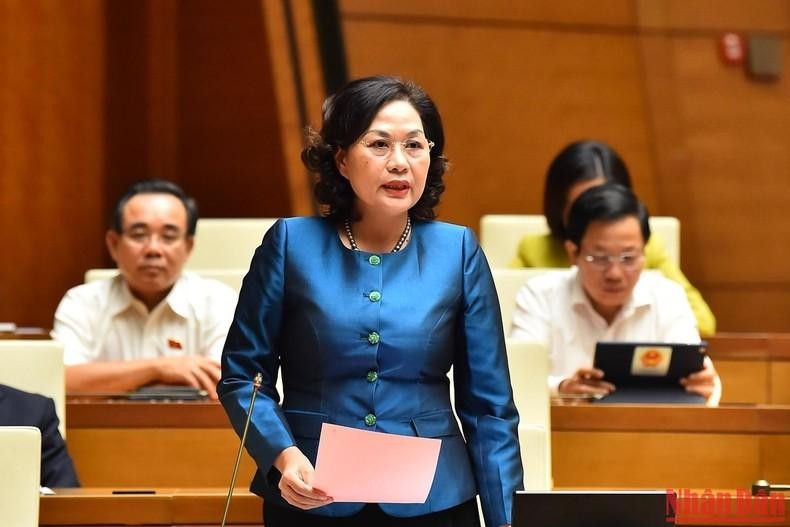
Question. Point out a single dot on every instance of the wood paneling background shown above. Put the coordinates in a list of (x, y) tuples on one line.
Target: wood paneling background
[(97, 93), (516, 81), (51, 152), (720, 147)]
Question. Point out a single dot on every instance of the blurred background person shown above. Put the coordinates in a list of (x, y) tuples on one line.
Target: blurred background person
[(579, 166), (605, 297), (152, 323)]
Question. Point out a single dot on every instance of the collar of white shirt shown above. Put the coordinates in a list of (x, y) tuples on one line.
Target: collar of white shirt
[(121, 298)]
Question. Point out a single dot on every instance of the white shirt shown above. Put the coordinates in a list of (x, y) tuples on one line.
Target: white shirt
[(102, 321), (554, 309)]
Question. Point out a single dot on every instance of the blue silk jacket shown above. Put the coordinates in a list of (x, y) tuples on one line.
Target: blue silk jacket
[(366, 340)]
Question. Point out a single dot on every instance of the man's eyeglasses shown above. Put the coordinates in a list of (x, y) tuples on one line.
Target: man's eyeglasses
[(144, 237), (628, 261), (415, 147)]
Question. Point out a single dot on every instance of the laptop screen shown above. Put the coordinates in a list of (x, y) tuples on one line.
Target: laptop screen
[(591, 509)]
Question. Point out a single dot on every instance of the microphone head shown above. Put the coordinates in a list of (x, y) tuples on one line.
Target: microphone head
[(761, 487)]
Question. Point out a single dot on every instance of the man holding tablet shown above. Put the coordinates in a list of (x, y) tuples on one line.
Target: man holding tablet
[(606, 297)]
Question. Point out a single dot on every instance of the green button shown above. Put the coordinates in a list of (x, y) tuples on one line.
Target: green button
[(373, 375), (374, 338), (370, 419), (374, 259), (374, 296)]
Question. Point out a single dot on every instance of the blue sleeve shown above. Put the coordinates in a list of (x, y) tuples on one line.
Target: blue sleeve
[(483, 393), (252, 347)]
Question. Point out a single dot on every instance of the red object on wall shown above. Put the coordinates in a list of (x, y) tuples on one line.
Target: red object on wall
[(732, 48)]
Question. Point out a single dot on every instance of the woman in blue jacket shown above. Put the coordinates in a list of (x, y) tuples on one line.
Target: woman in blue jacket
[(366, 308)]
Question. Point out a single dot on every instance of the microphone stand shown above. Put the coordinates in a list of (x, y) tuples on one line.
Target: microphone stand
[(256, 384), (763, 487)]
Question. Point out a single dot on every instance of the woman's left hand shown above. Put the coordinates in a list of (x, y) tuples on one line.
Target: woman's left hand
[(702, 382)]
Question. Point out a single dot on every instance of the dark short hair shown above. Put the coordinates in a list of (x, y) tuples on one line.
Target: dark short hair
[(155, 186), (609, 202), (579, 161), (346, 116)]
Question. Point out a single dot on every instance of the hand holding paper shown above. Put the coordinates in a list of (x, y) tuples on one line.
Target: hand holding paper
[(296, 481), (372, 467)]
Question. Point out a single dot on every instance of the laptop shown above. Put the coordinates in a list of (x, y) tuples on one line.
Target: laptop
[(649, 372), (591, 509)]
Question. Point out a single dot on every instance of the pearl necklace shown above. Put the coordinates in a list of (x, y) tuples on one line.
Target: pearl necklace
[(398, 246)]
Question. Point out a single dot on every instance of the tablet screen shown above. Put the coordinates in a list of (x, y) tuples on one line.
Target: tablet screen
[(648, 363)]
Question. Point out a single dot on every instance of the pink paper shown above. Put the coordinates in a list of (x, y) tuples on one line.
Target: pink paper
[(371, 467)]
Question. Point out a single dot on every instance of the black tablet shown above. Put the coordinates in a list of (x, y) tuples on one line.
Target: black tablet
[(648, 363), (649, 372)]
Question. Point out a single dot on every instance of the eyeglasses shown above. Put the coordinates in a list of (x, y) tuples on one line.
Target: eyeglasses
[(628, 261), (145, 237), (414, 147)]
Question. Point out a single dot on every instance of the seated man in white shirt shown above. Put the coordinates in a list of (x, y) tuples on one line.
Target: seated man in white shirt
[(605, 297), (152, 323)]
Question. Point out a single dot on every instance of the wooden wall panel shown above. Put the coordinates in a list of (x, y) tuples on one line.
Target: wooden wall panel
[(743, 381), (719, 142), (191, 99), (162, 88), (738, 162), (511, 99), (780, 388), (472, 12), (608, 460), (51, 152), (230, 154), (774, 451), (127, 104), (297, 91), (157, 457), (716, 15), (98, 94), (704, 141)]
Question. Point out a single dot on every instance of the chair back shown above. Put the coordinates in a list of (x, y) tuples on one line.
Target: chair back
[(20, 466), (227, 243), (529, 370), (500, 235), (508, 282), (36, 366)]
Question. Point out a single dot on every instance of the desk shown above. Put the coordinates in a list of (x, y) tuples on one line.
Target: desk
[(25, 333), (195, 506), (137, 444), (754, 367), (669, 446), (159, 444), (179, 507)]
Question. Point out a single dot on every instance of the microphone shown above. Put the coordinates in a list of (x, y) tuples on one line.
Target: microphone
[(762, 487), (256, 384)]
